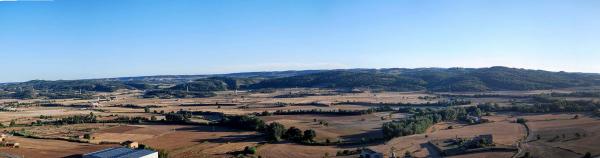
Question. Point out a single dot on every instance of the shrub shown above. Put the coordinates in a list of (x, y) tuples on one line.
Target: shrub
[(275, 131), (521, 120), (87, 136), (293, 134), (250, 150), (310, 134)]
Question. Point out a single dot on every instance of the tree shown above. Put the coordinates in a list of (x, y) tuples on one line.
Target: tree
[(87, 136), (146, 109), (407, 154), (521, 120), (250, 150), (587, 155), (163, 154), (266, 113), (527, 155), (275, 131), (12, 123), (293, 134), (310, 134), (153, 118), (478, 112)]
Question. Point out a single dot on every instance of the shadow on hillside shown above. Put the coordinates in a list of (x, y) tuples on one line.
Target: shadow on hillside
[(207, 129), (373, 137), (232, 138), (433, 153)]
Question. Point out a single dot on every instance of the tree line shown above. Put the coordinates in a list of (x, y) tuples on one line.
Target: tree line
[(327, 112), (444, 103)]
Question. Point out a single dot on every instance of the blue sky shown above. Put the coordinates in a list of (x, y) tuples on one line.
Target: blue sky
[(69, 39)]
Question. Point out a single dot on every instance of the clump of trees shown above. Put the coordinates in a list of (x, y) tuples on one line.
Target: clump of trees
[(177, 118), (76, 119), (348, 152), (274, 131), (423, 119), (244, 122), (168, 94), (545, 105)]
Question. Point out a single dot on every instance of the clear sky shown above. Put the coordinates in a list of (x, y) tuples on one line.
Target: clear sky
[(74, 39)]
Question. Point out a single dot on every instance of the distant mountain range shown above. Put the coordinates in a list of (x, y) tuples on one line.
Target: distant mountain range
[(437, 79), (175, 78), (393, 79)]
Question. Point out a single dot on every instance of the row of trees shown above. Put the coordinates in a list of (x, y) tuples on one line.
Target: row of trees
[(444, 103), (274, 131), (544, 105), (328, 112), (91, 118), (277, 132), (167, 94)]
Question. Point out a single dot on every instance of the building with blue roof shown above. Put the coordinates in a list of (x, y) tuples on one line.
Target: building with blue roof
[(122, 152)]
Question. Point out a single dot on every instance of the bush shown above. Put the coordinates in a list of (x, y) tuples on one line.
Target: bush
[(250, 150), (87, 136), (275, 131), (587, 155), (521, 120), (310, 134), (244, 122), (293, 134)]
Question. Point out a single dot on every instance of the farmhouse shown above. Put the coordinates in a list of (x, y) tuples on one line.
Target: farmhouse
[(11, 144), (2, 137), (122, 152), (3, 142), (130, 144)]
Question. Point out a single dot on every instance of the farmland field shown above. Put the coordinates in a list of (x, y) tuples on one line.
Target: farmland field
[(342, 131)]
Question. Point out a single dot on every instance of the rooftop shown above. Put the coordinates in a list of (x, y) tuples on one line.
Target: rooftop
[(119, 152)]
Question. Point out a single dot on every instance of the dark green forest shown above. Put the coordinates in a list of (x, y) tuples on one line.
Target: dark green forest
[(396, 79), (437, 79)]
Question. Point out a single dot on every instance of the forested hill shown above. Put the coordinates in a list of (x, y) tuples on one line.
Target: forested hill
[(437, 79), (394, 79)]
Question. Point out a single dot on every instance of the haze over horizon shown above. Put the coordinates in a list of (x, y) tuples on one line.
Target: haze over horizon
[(68, 39)]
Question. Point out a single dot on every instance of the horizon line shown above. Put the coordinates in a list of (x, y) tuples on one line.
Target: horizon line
[(259, 71)]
